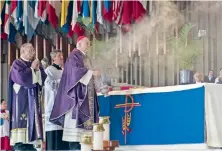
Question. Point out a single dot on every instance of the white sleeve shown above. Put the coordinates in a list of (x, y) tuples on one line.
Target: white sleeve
[(39, 77), (1, 115), (52, 84), (86, 78), (36, 77), (216, 80)]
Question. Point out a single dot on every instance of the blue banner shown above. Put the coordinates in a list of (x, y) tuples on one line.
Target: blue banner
[(156, 118)]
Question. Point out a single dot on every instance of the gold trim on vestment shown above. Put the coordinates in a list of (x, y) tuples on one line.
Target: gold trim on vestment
[(13, 130), (36, 120)]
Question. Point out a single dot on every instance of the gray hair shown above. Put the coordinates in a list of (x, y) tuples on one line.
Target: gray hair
[(25, 47), (45, 62), (54, 53)]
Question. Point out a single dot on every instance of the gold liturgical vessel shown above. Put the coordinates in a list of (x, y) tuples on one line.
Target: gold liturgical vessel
[(97, 127), (104, 120), (86, 139), (108, 145)]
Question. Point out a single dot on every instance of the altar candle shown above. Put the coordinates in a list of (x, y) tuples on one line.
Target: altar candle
[(86, 143), (130, 44), (86, 147), (106, 132), (106, 124), (98, 136)]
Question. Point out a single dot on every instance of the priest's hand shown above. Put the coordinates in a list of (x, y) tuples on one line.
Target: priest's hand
[(35, 64), (38, 65), (96, 73), (6, 117)]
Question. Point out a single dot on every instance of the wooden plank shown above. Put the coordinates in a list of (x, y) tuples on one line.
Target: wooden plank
[(17, 53), (161, 70), (1, 67), (155, 44), (176, 65), (35, 45), (187, 11), (1, 50), (162, 61), (11, 53), (127, 62), (219, 43), (154, 56), (148, 63), (200, 26), (135, 68), (131, 70), (63, 47), (47, 49), (134, 58), (61, 43), (127, 70), (57, 42), (4, 68), (170, 70), (212, 35), (140, 71), (155, 71), (94, 47), (146, 66), (69, 49), (139, 66), (214, 42), (39, 43), (206, 43), (44, 48)]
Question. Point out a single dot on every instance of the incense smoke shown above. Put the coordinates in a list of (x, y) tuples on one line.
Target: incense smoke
[(117, 52), (141, 40)]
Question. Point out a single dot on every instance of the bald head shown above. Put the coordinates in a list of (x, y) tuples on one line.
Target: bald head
[(83, 44), (198, 77), (27, 51)]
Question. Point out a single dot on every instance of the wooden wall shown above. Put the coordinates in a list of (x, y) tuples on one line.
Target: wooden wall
[(162, 70)]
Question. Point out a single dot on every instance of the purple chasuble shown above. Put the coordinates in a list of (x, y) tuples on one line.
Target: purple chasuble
[(73, 95), (25, 104)]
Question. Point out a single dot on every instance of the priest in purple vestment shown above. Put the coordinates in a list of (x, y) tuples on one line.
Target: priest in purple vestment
[(76, 106), (25, 81)]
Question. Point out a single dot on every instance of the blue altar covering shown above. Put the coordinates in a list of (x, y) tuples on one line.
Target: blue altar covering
[(173, 117)]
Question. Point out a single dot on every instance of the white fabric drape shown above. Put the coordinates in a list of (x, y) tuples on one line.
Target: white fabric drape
[(213, 113)]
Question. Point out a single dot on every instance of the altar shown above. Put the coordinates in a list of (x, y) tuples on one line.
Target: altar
[(165, 117)]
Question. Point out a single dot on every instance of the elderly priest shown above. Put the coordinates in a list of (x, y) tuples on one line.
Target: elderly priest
[(25, 82), (76, 106)]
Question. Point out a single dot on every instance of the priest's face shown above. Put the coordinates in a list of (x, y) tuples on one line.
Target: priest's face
[(3, 105), (29, 53), (58, 58), (85, 44)]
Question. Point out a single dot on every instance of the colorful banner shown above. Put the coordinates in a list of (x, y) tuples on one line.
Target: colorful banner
[(25, 16)]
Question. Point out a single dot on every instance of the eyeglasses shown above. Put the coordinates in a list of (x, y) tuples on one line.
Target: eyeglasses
[(32, 50)]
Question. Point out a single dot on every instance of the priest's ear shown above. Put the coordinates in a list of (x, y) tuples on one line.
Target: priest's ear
[(78, 45)]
